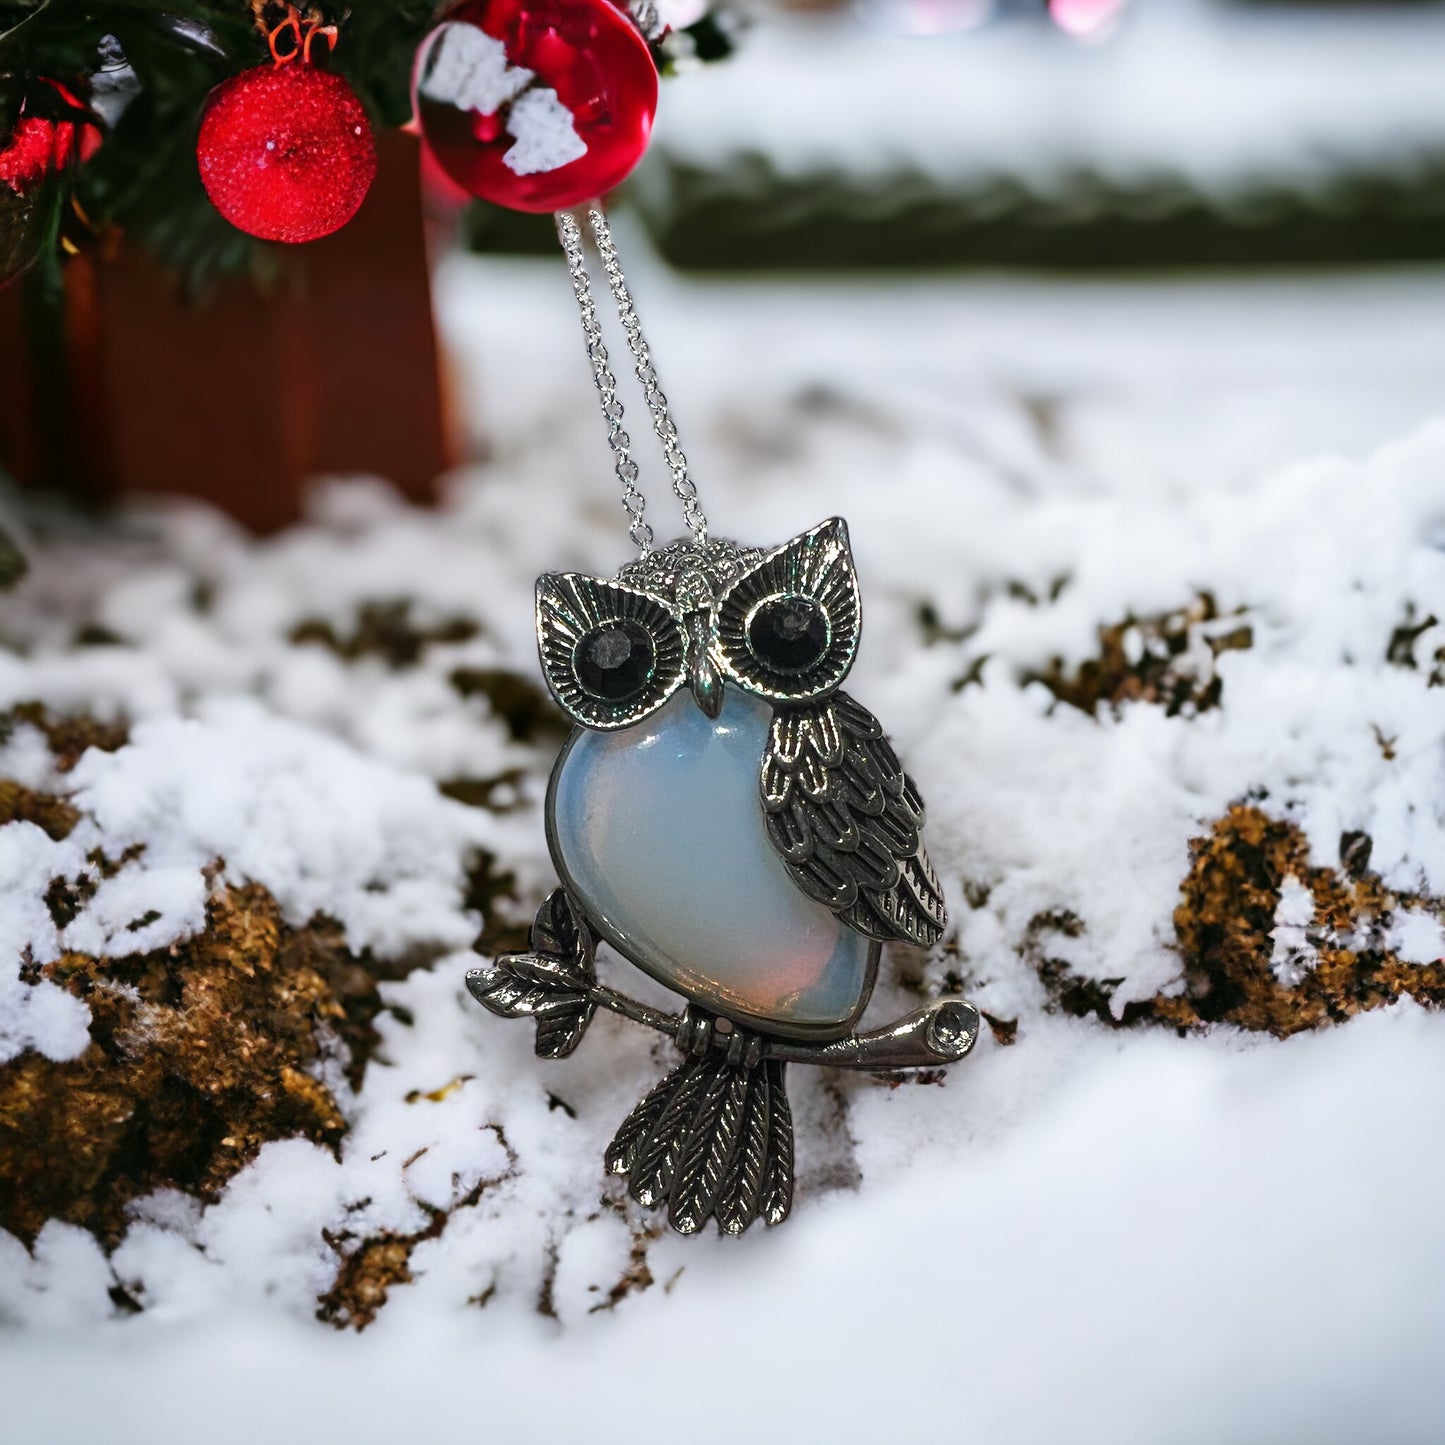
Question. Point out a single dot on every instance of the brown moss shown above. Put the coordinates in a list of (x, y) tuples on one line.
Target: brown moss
[(65, 897), (1226, 915), (528, 711), (1224, 924), (371, 1267), (364, 1279), (200, 1053), (53, 815), (1005, 1031), (1166, 659), (500, 793), (636, 1277), (492, 891), (1400, 652), (385, 630), (69, 735)]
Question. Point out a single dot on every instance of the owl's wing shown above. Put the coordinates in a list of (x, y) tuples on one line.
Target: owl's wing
[(848, 821)]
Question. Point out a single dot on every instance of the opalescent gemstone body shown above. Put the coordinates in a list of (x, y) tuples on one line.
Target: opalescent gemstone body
[(658, 832)]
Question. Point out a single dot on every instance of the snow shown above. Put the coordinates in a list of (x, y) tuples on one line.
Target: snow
[(322, 828), (546, 135), (1418, 937), (468, 69), (1088, 1235), (1294, 953), (1022, 1295)]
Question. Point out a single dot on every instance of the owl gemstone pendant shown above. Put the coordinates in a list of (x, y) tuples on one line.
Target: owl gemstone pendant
[(735, 826), (709, 910)]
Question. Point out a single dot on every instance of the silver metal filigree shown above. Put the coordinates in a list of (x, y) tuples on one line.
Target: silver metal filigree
[(691, 573)]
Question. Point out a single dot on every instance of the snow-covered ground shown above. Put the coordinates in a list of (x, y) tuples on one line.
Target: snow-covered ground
[(1087, 1235)]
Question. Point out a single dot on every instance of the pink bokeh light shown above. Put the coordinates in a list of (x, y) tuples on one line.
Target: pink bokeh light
[(1086, 19)]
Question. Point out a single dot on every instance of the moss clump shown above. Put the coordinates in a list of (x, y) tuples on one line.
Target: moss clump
[(529, 713), (68, 734), (492, 891), (386, 630), (1406, 641), (1226, 916), (365, 1278), (371, 1267), (200, 1053), (68, 737), (53, 815), (1166, 659), (1225, 923), (502, 792)]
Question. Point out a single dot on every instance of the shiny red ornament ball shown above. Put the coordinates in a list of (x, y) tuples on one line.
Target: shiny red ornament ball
[(286, 152), (536, 105)]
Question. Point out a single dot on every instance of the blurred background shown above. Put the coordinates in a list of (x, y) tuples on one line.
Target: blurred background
[(1075, 135), (1133, 144)]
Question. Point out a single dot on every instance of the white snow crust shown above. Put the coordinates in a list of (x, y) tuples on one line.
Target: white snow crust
[(469, 69), (1089, 1235), (546, 138)]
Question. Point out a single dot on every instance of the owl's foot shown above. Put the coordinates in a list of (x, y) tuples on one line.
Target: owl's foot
[(697, 1032), (714, 1140)]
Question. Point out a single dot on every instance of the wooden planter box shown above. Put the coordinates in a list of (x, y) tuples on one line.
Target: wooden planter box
[(242, 397)]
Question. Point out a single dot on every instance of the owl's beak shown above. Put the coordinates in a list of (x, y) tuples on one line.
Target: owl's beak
[(705, 679)]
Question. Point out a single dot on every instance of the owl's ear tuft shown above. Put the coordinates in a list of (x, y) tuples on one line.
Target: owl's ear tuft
[(835, 529), (610, 654), (788, 628)]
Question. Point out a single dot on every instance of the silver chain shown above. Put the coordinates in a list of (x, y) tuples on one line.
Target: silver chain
[(570, 234), (684, 488)]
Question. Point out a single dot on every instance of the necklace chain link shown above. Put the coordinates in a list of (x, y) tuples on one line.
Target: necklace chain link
[(633, 501)]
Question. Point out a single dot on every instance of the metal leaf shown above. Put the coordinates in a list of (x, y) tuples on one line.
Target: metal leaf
[(527, 985), (560, 1026), (560, 932), (552, 984)]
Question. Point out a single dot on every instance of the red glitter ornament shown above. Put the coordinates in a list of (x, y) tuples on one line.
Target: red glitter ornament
[(34, 158), (286, 151), (40, 146), (536, 105)]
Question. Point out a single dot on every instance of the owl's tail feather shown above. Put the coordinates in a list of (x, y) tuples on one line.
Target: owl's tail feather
[(714, 1138)]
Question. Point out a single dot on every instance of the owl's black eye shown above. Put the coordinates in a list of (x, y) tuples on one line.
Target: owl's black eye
[(615, 661), (789, 633)]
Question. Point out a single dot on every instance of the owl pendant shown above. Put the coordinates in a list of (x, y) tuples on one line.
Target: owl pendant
[(736, 827)]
